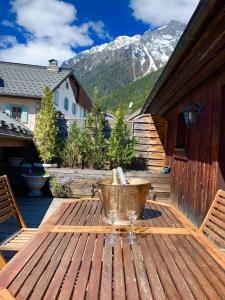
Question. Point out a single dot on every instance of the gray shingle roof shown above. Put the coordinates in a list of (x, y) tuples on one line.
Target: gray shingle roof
[(28, 80), (13, 128)]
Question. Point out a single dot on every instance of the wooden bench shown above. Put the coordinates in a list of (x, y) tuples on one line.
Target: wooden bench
[(213, 225), (9, 209)]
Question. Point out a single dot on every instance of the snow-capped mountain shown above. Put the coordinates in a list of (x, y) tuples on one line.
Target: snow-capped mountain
[(126, 58)]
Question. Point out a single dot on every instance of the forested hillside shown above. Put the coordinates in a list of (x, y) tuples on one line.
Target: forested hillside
[(135, 92)]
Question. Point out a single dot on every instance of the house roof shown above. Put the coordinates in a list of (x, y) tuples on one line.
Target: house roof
[(196, 56), (24, 80), (10, 127)]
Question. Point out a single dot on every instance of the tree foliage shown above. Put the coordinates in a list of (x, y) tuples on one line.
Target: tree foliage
[(46, 132), (135, 92), (93, 135), (121, 148), (71, 154)]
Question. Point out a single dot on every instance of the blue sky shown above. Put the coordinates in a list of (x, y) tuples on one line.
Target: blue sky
[(33, 31)]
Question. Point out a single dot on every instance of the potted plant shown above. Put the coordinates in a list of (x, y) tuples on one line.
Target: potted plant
[(46, 131), (35, 182)]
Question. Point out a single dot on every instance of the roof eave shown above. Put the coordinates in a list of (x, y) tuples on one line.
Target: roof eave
[(187, 39)]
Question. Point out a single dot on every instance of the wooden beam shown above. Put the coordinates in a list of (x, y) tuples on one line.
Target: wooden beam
[(13, 142), (6, 295), (119, 229), (2, 261)]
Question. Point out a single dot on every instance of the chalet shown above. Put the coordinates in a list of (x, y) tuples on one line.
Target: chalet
[(190, 97), (21, 88)]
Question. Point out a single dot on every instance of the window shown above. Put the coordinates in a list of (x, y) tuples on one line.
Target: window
[(16, 112), (180, 151), (74, 108), (66, 103), (67, 85), (56, 98)]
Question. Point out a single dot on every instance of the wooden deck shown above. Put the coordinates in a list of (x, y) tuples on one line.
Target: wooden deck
[(70, 259)]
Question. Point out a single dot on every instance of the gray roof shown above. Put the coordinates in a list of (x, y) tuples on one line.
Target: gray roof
[(28, 80), (10, 127)]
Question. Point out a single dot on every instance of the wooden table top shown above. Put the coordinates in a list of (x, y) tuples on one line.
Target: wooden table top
[(171, 259)]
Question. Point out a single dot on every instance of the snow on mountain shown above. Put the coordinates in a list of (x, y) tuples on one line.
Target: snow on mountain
[(133, 57)]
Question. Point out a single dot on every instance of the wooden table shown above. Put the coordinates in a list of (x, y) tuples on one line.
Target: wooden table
[(69, 259)]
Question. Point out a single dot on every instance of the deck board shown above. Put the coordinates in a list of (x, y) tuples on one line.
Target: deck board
[(168, 260)]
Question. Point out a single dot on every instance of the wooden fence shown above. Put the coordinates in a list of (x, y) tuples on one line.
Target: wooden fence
[(151, 133)]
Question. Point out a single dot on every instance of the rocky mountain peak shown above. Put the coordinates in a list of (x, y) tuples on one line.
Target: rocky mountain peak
[(129, 58)]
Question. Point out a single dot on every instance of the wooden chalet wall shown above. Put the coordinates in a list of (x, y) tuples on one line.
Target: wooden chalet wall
[(194, 181), (151, 133)]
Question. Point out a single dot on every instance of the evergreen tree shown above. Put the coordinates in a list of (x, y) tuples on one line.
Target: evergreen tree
[(46, 132), (71, 153), (94, 133), (121, 148)]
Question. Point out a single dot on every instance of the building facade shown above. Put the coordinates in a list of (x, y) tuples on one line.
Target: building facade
[(190, 96), (21, 88)]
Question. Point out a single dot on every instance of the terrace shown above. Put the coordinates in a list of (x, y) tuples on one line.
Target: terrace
[(76, 254)]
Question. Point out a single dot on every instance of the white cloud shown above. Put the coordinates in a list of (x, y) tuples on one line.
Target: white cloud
[(160, 12), (49, 31)]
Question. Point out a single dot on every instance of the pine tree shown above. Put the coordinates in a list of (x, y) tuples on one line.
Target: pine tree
[(46, 132), (121, 148)]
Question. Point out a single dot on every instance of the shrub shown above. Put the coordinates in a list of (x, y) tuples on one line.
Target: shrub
[(46, 132), (121, 148), (60, 188)]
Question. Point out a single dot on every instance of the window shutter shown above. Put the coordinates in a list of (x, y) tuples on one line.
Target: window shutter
[(7, 109), (24, 115)]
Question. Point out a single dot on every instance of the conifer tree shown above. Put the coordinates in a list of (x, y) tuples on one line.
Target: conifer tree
[(71, 153), (46, 132), (96, 147), (121, 148)]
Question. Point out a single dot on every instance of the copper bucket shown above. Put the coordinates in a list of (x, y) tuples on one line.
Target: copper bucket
[(116, 197)]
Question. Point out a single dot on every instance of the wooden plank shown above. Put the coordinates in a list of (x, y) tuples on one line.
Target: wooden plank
[(205, 253), (67, 289), (34, 270), (15, 265), (2, 261), (130, 277), (95, 275), (162, 270), (106, 278), (175, 273), (119, 229), (200, 277), (119, 284), (6, 295), (39, 290), (203, 266), (153, 277), (142, 279), (184, 268)]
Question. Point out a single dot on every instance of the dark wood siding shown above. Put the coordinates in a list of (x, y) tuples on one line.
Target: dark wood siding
[(194, 181)]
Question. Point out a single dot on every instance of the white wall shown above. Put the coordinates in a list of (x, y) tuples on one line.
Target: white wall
[(63, 93)]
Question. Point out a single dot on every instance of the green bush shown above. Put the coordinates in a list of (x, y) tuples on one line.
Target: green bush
[(60, 188), (46, 131), (121, 148)]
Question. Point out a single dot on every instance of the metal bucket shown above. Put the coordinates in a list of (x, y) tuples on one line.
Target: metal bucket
[(116, 197)]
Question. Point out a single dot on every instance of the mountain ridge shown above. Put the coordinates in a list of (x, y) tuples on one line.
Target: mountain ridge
[(130, 58)]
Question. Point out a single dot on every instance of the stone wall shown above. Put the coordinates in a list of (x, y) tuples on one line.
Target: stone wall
[(84, 181)]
